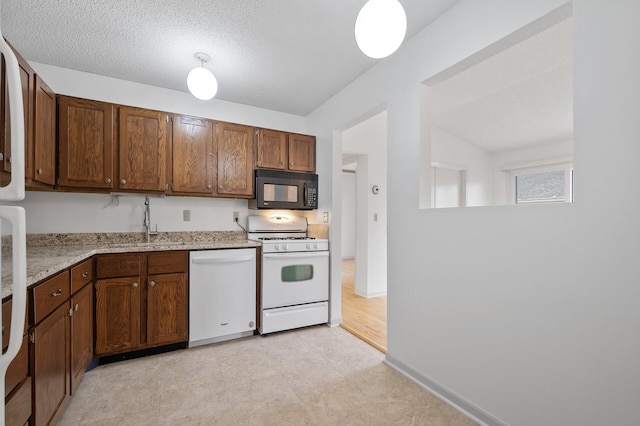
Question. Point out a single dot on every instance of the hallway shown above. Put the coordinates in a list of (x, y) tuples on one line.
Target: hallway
[(365, 318)]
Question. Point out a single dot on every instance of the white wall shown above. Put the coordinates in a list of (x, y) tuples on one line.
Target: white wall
[(72, 212), (368, 140), (348, 215), (477, 163), (484, 306)]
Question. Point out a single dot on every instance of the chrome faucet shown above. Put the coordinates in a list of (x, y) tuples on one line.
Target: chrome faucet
[(147, 220)]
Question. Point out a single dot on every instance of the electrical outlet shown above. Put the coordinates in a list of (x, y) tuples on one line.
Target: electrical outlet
[(236, 216), (325, 217), (186, 215)]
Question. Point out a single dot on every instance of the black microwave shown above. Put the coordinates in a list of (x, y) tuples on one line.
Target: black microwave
[(277, 189)]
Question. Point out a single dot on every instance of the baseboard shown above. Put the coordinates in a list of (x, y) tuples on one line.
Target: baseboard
[(447, 395), (370, 295)]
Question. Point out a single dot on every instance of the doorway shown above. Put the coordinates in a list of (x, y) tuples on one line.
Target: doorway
[(364, 231)]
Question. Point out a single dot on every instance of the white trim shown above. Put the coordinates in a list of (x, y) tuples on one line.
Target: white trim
[(536, 163), (372, 294), (460, 403)]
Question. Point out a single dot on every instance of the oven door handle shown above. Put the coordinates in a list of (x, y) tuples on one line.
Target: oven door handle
[(296, 255), (200, 260)]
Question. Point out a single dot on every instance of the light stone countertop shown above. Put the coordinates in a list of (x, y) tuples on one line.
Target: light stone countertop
[(44, 261)]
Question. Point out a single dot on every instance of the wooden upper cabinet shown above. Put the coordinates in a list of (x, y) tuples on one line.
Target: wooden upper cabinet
[(192, 164), (302, 153), (85, 137), (142, 149), (44, 135), (235, 159), (272, 149)]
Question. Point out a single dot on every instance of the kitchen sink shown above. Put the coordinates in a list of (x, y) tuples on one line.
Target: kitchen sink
[(152, 244)]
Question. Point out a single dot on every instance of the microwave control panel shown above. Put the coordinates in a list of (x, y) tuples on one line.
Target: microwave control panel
[(312, 196)]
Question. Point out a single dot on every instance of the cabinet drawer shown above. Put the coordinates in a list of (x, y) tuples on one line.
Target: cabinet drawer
[(49, 295), (18, 407), (168, 262), (115, 266), (18, 369), (81, 274)]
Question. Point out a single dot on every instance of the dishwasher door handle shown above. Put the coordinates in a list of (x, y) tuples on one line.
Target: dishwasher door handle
[(213, 260)]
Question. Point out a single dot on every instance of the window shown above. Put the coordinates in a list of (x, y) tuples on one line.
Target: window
[(543, 184)]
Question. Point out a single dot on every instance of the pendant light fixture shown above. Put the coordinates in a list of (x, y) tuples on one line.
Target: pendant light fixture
[(380, 28), (201, 82)]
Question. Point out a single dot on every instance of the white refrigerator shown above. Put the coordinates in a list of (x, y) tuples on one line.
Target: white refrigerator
[(14, 215)]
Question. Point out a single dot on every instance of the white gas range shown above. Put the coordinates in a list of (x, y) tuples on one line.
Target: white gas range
[(294, 290)]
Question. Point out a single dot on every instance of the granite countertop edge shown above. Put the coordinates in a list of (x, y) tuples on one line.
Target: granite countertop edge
[(45, 261)]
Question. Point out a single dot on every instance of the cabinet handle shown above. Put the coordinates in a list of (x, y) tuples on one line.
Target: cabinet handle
[(107, 180), (282, 163), (134, 285), (152, 283), (76, 307), (57, 293), (39, 171), (208, 186), (123, 181), (9, 159), (85, 274), (291, 164)]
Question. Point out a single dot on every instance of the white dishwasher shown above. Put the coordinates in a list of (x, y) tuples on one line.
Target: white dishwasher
[(222, 295)]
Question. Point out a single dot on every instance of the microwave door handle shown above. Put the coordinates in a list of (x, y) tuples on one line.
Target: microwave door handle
[(304, 195)]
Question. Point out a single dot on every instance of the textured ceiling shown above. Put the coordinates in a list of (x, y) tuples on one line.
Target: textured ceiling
[(520, 97), (284, 55)]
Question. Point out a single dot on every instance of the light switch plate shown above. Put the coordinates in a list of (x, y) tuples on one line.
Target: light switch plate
[(186, 215)]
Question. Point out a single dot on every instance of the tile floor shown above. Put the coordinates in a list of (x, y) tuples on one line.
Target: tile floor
[(313, 376)]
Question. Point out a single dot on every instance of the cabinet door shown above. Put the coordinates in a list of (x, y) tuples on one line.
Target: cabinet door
[(44, 136), (302, 153), (235, 159), (81, 334), (192, 155), (272, 149), (117, 315), (167, 309), (27, 80), (142, 149), (50, 365), (85, 137)]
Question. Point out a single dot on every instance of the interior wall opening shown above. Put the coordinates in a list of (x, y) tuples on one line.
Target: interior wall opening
[(503, 123)]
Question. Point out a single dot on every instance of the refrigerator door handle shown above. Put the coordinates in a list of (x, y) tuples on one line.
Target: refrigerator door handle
[(14, 191), (16, 216)]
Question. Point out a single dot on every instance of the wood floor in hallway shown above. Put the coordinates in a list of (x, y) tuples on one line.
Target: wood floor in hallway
[(365, 318)]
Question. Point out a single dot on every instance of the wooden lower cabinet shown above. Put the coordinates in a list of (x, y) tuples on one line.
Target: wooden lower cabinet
[(117, 315), (143, 310), (81, 332), (167, 308), (49, 356)]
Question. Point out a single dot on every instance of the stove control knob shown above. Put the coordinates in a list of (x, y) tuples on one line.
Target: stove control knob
[(315, 246), (284, 247)]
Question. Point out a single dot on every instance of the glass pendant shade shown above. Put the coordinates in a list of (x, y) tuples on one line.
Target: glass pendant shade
[(202, 83), (380, 28)]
